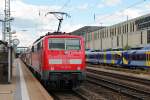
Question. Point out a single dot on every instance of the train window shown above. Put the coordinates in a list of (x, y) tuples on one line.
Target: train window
[(64, 44), (101, 56), (138, 57), (57, 44), (39, 46), (144, 56), (117, 56), (35, 48), (133, 57), (72, 44), (129, 57), (112, 56), (32, 48)]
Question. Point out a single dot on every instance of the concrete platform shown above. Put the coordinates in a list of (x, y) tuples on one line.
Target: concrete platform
[(24, 86)]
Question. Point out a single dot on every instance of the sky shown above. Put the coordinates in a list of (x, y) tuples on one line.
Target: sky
[(30, 21)]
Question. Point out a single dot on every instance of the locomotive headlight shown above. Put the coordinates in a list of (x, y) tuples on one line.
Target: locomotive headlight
[(55, 61), (75, 61)]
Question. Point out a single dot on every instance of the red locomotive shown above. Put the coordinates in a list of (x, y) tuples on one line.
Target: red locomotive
[(59, 60)]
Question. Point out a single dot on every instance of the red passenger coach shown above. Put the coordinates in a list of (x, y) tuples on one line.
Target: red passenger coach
[(59, 59)]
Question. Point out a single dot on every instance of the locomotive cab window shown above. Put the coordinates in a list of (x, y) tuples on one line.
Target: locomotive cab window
[(64, 44), (72, 44), (56, 44)]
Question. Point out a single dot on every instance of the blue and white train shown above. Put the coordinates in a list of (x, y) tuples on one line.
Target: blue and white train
[(128, 58)]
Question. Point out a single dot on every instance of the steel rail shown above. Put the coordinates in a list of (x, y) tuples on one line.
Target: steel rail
[(117, 86)]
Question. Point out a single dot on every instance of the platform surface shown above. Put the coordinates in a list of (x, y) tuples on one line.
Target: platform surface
[(24, 85)]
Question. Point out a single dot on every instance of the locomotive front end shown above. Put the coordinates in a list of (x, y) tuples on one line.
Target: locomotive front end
[(65, 60)]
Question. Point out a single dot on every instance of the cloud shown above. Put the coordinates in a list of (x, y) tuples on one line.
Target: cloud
[(32, 19), (117, 17), (132, 13), (121, 15), (100, 5), (107, 3), (31, 23), (25, 23), (2, 2), (70, 27), (111, 2), (26, 38), (28, 11), (83, 6)]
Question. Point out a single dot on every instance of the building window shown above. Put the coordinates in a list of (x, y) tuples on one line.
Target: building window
[(141, 38), (103, 35), (117, 41), (107, 33), (89, 36), (148, 36), (127, 27), (133, 26), (99, 34), (130, 27), (119, 30), (123, 29), (143, 23), (95, 35), (114, 31)]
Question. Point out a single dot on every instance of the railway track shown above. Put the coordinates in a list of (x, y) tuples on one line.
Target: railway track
[(66, 95), (120, 76), (121, 68), (135, 87), (76, 94)]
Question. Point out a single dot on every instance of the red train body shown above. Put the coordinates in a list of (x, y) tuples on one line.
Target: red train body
[(59, 59)]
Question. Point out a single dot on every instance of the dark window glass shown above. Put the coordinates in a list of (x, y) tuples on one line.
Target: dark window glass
[(148, 36), (64, 44)]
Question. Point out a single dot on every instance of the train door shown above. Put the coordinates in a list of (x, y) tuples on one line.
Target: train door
[(147, 58), (112, 57), (104, 57)]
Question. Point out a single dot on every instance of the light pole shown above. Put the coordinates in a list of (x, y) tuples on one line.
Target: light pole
[(3, 28)]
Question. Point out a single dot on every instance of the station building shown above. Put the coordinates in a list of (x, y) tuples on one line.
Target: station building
[(131, 33)]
